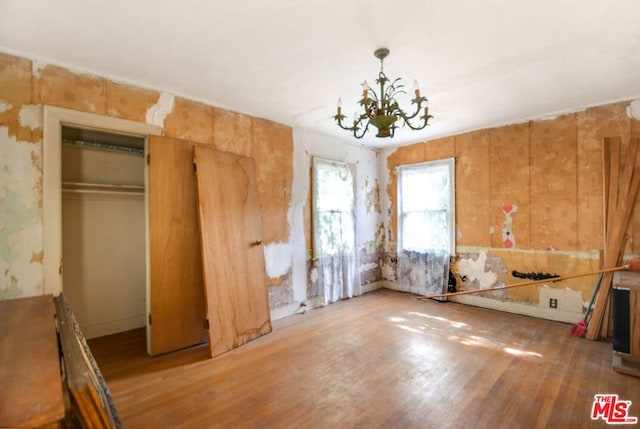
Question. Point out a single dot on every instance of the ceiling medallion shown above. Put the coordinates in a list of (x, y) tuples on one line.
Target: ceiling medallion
[(381, 108)]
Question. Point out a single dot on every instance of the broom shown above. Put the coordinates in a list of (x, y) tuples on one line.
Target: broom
[(579, 329)]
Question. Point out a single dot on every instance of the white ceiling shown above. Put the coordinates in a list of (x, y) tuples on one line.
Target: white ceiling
[(481, 63)]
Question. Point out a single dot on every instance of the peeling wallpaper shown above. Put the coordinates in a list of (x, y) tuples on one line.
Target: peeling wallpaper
[(282, 161), (21, 250), (21, 218), (529, 196)]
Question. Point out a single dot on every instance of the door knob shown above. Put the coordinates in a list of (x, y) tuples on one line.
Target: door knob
[(258, 243)]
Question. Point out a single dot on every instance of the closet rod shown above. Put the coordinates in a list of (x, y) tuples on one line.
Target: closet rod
[(81, 187), (100, 191), (106, 146)]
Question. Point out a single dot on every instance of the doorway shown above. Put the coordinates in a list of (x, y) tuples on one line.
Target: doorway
[(54, 120), (103, 229)]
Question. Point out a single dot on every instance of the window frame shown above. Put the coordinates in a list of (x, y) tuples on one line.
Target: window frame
[(449, 163), (314, 199)]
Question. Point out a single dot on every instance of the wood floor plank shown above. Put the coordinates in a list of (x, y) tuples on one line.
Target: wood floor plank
[(378, 361)]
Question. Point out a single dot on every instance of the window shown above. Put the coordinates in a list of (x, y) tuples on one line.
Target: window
[(426, 206), (333, 208)]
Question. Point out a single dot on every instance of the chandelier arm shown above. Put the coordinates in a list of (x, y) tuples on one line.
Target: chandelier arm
[(339, 119), (418, 102), (364, 131), (407, 120)]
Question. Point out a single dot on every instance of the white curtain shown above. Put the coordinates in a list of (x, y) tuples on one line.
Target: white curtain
[(334, 225), (423, 273), (339, 276)]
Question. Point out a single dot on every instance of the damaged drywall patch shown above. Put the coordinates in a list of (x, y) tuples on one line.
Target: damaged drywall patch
[(12, 291), (475, 270), (367, 267), (633, 110), (21, 214), (30, 116), (36, 67), (372, 196), (4, 106), (389, 267), (281, 295), (508, 239), (157, 113), (369, 257), (277, 259)]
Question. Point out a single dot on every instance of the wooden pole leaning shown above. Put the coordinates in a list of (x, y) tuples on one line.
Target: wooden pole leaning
[(623, 186)]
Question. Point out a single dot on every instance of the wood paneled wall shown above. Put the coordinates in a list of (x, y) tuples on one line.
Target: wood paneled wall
[(551, 169)]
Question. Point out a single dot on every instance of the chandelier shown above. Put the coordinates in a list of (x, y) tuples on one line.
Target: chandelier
[(381, 108)]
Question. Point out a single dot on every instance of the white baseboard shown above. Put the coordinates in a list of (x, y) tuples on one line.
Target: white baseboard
[(519, 308), (296, 308), (388, 284), (113, 326), (511, 307), (375, 286)]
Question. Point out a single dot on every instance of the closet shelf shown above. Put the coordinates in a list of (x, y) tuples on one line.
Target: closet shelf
[(101, 188)]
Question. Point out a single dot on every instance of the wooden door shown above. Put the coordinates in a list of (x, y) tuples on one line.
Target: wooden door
[(230, 229), (176, 288)]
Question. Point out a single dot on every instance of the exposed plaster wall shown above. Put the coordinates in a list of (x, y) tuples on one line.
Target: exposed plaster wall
[(385, 235), (529, 198), (157, 113), (20, 181)]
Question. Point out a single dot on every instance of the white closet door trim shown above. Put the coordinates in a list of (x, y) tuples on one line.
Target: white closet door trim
[(54, 118)]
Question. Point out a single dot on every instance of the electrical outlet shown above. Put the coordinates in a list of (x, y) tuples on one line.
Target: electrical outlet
[(553, 302)]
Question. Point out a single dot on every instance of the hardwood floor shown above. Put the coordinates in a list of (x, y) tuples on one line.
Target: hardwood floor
[(383, 360)]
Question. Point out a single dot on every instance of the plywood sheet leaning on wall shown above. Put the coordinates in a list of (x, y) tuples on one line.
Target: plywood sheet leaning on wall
[(177, 292), (232, 253), (621, 184)]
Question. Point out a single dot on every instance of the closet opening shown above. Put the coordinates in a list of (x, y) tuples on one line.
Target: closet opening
[(104, 242)]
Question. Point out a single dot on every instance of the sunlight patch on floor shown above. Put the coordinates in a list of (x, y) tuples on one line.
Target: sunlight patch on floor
[(438, 324)]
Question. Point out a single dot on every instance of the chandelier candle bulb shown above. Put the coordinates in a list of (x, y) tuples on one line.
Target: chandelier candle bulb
[(365, 90), (416, 88), (339, 106)]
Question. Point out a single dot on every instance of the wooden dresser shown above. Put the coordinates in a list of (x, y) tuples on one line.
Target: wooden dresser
[(48, 376)]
